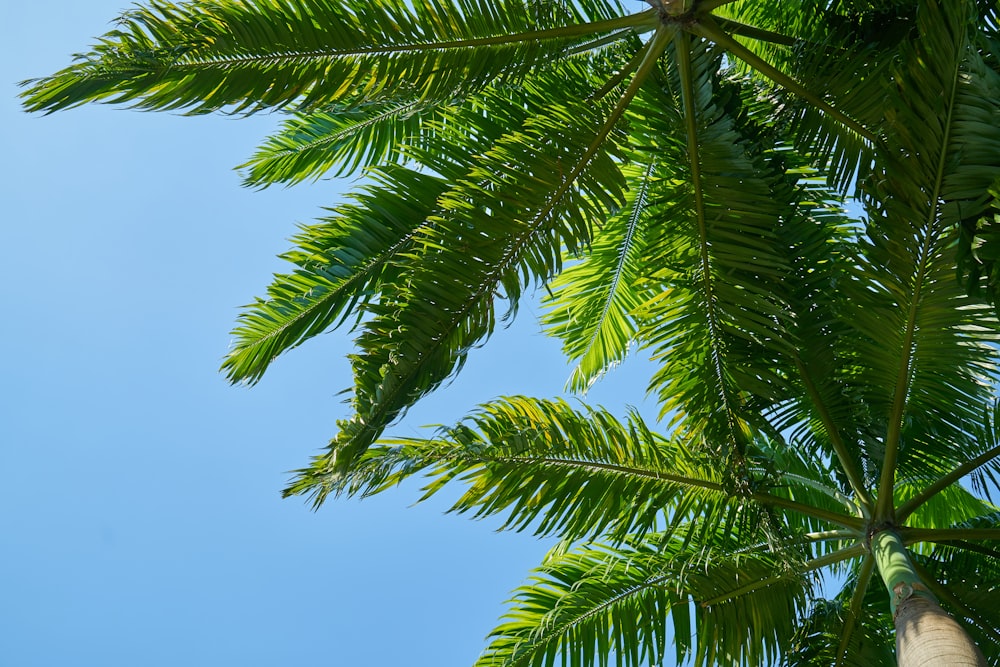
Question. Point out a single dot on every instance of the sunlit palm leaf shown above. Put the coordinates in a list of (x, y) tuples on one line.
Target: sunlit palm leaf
[(594, 301), (345, 251), (560, 471), (595, 601), (244, 57), (716, 323), (310, 145), (580, 474), (819, 415), (535, 191), (341, 262)]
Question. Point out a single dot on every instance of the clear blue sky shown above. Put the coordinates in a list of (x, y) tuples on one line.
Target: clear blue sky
[(140, 517)]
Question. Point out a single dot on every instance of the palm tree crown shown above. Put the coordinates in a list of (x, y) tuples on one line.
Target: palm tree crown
[(676, 179)]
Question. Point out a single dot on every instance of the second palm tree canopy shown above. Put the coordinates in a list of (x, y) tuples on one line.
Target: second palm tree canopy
[(675, 177)]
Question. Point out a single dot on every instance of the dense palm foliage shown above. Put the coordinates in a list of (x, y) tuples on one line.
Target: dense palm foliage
[(675, 177)]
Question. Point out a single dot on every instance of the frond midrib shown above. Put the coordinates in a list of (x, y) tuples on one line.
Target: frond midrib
[(289, 55), (334, 137), (690, 119), (884, 507), (648, 583), (851, 523), (625, 247), (364, 272)]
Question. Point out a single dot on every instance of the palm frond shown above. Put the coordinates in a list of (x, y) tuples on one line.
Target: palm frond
[(582, 474), (557, 470), (594, 301), (585, 605), (245, 57), (340, 265), (339, 142), (972, 186), (496, 230), (919, 329), (715, 324), (844, 53)]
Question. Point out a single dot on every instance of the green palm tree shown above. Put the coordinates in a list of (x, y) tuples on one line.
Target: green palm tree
[(676, 179)]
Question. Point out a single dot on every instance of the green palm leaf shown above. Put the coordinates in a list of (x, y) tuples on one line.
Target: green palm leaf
[(583, 474), (245, 57), (916, 325), (819, 416), (577, 474), (349, 254), (717, 322), (341, 262), (596, 601), (972, 186), (446, 302), (844, 55), (310, 145), (595, 300)]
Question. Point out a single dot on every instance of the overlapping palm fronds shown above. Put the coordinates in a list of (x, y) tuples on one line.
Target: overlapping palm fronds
[(678, 178)]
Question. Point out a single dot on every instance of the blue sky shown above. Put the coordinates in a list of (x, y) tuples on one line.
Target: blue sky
[(140, 517)]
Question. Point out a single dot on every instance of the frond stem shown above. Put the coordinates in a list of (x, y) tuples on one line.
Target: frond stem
[(617, 79), (812, 538), (884, 509), (707, 6), (753, 32), (610, 38), (847, 464), (680, 480), (709, 29), (854, 611), (947, 535), (907, 508), (853, 524), (827, 535), (647, 19), (683, 50), (836, 557), (848, 504)]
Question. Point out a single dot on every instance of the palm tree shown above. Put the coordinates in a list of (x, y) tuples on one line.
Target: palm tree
[(676, 179)]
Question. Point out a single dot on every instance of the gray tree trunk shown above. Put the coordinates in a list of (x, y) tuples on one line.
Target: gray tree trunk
[(927, 636)]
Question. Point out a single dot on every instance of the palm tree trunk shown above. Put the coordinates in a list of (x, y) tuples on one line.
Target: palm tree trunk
[(926, 635)]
